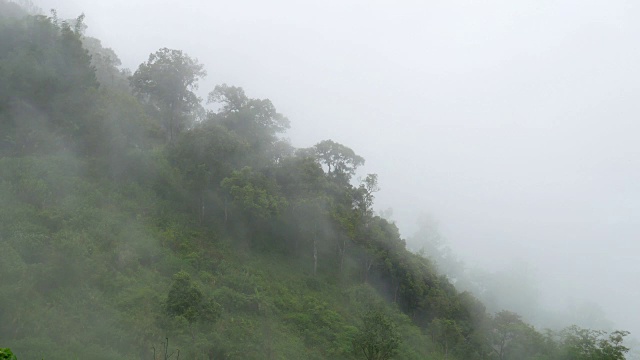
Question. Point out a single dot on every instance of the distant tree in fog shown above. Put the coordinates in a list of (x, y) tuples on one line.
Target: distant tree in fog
[(167, 82)]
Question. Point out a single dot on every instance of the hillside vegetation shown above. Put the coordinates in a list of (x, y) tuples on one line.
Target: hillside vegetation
[(136, 224)]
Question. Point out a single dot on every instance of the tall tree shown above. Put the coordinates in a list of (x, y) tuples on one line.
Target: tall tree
[(583, 344), (167, 81), (256, 120), (341, 161), (207, 154), (506, 328), (445, 332), (107, 65), (311, 215)]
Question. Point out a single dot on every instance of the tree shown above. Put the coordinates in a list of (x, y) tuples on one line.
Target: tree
[(310, 214), (428, 241), (371, 231), (6, 354), (256, 194), (587, 344), (378, 338), (11, 10), (107, 65), (256, 120), (341, 161), (363, 197), (187, 300), (300, 177), (506, 327), (446, 333), (167, 81), (205, 155), (47, 89)]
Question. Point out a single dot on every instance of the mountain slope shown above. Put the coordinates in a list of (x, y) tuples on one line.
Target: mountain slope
[(130, 215)]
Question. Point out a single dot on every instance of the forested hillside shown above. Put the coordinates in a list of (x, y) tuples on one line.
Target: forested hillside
[(133, 213)]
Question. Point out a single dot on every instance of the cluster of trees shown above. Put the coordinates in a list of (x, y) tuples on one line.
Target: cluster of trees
[(124, 186)]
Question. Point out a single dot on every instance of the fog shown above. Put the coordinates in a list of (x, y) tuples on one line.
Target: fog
[(514, 124)]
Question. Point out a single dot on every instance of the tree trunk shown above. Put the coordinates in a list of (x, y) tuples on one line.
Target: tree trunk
[(446, 349), (368, 262), (342, 251), (226, 211), (395, 293), (269, 341), (315, 257), (315, 250), (202, 208), (171, 120)]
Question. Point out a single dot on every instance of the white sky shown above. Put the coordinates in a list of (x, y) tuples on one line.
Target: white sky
[(515, 123)]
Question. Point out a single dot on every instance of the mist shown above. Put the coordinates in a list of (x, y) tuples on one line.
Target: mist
[(512, 123)]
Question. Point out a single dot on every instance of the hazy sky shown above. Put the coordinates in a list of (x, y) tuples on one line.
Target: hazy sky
[(514, 123)]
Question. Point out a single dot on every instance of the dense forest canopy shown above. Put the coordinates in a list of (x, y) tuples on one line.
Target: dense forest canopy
[(138, 224)]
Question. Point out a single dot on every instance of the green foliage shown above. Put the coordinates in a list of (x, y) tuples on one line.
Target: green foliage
[(506, 327), (378, 338), (164, 353), (583, 344), (107, 65), (341, 161), (254, 193), (253, 119), (187, 300), (167, 82), (446, 333), (102, 222), (6, 354), (48, 86)]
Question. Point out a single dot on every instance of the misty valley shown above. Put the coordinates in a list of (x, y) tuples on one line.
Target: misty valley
[(142, 220)]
